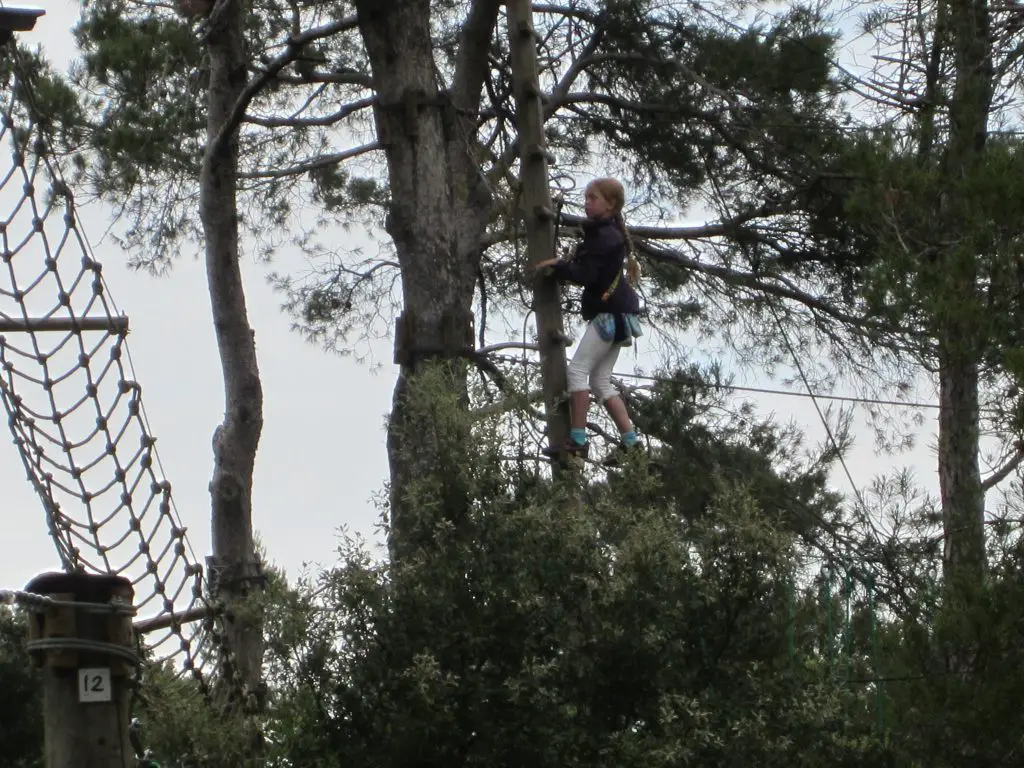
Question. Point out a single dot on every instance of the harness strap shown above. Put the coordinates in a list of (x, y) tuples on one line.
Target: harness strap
[(631, 252), (611, 288)]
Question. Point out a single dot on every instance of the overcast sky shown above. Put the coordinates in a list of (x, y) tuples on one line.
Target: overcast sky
[(322, 454)]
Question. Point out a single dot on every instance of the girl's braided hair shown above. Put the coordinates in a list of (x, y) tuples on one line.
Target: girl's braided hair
[(613, 191)]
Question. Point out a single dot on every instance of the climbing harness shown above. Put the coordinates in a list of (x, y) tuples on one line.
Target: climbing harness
[(611, 288)]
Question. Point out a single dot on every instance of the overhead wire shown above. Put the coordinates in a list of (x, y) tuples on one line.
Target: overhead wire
[(858, 496), (833, 529), (810, 394)]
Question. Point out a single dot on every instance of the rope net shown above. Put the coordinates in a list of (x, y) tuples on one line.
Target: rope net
[(74, 408)]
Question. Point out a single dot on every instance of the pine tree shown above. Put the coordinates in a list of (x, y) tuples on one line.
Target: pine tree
[(936, 205), (421, 92)]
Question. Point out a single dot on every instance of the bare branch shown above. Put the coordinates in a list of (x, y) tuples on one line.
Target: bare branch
[(1010, 60), (313, 164), (564, 10), (292, 51), (760, 284), (1004, 471), (332, 78), (722, 228), (490, 348), (590, 97), (309, 122), (560, 93), (561, 89)]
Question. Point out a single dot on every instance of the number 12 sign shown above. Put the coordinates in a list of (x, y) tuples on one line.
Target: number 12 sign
[(94, 685)]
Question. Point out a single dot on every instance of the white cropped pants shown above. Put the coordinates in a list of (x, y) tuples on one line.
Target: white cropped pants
[(592, 365)]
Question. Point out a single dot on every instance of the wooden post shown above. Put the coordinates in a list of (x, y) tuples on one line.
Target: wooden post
[(539, 217), (83, 644)]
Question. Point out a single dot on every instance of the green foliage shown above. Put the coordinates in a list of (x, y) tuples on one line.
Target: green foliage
[(21, 701), (182, 728), (952, 714), (696, 102), (669, 620), (336, 189), (705, 447), (141, 87), (640, 628), (541, 639), (38, 95), (145, 68), (439, 462)]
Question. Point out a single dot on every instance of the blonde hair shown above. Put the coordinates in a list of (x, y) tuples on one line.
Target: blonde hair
[(613, 191)]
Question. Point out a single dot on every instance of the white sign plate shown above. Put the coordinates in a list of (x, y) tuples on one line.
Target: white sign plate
[(94, 685)]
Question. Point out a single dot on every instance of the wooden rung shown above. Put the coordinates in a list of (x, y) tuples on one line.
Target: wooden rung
[(112, 324), (543, 213), (559, 337), (166, 620), (524, 28), (540, 152)]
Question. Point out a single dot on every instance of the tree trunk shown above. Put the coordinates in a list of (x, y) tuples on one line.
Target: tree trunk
[(233, 567), (963, 501), (438, 211)]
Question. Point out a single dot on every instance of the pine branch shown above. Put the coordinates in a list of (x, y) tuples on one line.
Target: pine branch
[(724, 228), (1004, 471), (570, 11), (344, 77), (293, 50), (322, 161), (760, 284), (558, 95), (309, 122)]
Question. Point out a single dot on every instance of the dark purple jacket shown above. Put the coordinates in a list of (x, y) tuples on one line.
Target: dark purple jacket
[(599, 258)]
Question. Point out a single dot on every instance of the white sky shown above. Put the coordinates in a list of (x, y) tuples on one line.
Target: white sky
[(322, 454)]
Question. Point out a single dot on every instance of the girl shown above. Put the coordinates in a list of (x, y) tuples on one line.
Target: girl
[(609, 305)]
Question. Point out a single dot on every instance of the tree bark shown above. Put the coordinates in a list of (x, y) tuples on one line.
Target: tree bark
[(963, 500), (233, 567), (438, 213)]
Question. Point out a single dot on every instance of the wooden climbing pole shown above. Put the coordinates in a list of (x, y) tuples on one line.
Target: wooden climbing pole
[(539, 218)]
